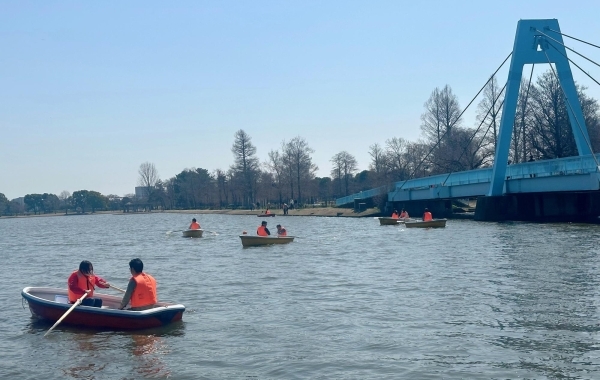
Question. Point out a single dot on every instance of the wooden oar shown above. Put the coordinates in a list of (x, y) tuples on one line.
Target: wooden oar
[(119, 289), (67, 313)]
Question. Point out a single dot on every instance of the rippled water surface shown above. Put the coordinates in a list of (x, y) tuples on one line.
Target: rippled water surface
[(347, 299)]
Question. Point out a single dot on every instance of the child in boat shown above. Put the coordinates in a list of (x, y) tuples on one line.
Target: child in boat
[(281, 231), (83, 281)]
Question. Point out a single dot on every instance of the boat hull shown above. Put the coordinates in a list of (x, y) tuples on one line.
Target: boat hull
[(265, 215), (42, 305), (388, 221), (193, 233), (255, 241), (436, 223)]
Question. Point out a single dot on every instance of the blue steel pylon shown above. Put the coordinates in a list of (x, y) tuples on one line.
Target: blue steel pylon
[(531, 47)]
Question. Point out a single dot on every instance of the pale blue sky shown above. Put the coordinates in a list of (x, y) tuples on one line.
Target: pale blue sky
[(90, 90)]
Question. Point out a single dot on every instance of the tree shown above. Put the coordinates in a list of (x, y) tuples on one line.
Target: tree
[(148, 177), (489, 111), (64, 198), (344, 166), (34, 202), (96, 201), (277, 168), (3, 204), (245, 163), (442, 113), (298, 158), (79, 199)]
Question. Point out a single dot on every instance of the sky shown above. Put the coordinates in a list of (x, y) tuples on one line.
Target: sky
[(91, 90)]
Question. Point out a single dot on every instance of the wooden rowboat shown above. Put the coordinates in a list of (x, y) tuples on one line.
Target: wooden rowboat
[(193, 233), (253, 241), (388, 221), (52, 303), (436, 223), (265, 215)]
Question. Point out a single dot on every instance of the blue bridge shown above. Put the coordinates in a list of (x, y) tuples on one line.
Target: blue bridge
[(558, 189)]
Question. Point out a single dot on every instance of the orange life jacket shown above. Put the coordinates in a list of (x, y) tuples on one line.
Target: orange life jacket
[(267, 212), (282, 232), (194, 226), (84, 283), (144, 293), (394, 215), (427, 216), (261, 231)]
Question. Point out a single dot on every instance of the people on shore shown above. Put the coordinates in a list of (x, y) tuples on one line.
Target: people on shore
[(263, 230), (194, 225), (281, 231), (404, 214), (285, 209), (395, 214), (427, 215), (141, 290), (83, 281)]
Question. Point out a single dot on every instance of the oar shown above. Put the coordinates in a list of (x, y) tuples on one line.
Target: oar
[(67, 313), (119, 289)]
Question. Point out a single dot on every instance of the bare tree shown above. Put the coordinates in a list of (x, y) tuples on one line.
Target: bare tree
[(489, 112), (64, 198), (148, 177), (277, 169), (298, 156), (442, 113), (344, 166), (245, 163)]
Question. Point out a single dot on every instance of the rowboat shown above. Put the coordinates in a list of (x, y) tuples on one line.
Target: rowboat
[(52, 303), (436, 223), (388, 221), (265, 215), (253, 241), (193, 233)]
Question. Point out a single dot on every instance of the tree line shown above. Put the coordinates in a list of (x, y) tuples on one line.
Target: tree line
[(541, 131)]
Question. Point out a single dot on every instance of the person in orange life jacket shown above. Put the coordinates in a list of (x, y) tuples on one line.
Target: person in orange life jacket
[(83, 281), (395, 214), (141, 290), (194, 225), (267, 212), (404, 214), (263, 230), (427, 215), (281, 231)]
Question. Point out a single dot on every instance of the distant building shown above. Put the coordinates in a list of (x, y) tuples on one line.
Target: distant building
[(141, 192)]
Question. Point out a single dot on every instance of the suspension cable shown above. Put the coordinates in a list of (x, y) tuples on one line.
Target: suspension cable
[(577, 39), (478, 128), (455, 121), (526, 98), (569, 59), (557, 41), (572, 112)]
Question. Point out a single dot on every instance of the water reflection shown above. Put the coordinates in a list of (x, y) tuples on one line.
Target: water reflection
[(148, 352)]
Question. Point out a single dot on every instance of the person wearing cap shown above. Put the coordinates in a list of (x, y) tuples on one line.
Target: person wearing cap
[(194, 225), (427, 215), (281, 231), (263, 230)]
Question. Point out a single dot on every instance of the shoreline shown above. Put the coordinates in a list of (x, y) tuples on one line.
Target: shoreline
[(317, 211)]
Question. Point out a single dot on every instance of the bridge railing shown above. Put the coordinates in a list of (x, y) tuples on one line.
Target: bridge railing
[(554, 167)]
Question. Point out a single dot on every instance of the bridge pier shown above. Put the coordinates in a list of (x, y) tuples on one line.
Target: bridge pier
[(581, 207)]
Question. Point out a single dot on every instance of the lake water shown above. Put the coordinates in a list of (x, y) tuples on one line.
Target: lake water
[(348, 299)]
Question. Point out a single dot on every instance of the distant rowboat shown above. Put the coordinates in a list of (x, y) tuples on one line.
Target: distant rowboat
[(436, 223), (265, 215), (253, 241), (193, 233)]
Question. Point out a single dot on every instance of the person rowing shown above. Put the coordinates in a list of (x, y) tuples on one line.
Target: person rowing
[(263, 230), (427, 217), (83, 281), (281, 231), (395, 214), (194, 225), (404, 214)]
